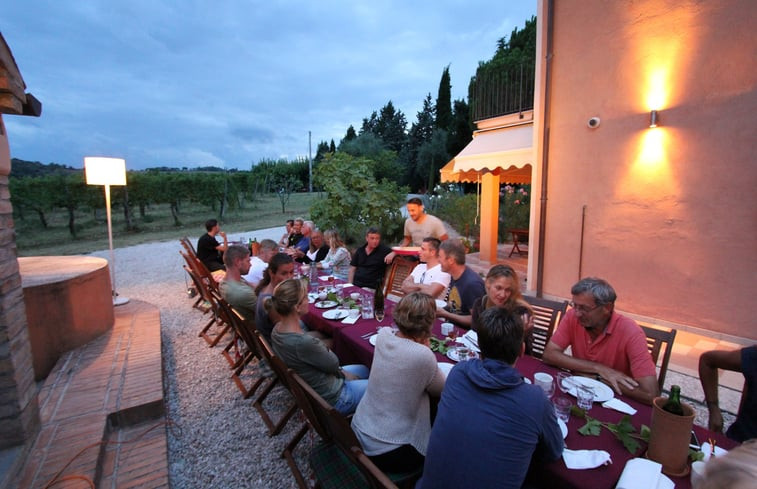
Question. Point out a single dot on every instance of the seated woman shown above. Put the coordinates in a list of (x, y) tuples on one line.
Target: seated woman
[(280, 268), (317, 250), (342, 387), (393, 421), (338, 258), (502, 290)]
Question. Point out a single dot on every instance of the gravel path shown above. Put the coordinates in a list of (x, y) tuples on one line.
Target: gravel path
[(216, 438)]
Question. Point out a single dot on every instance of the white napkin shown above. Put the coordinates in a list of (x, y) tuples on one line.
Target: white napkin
[(350, 320), (707, 451), (470, 339), (585, 459), (642, 472), (619, 405), (346, 285)]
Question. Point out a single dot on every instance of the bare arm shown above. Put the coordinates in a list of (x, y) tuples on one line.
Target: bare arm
[(351, 275), (409, 285), (389, 258), (643, 389), (406, 241), (462, 320), (225, 245), (709, 363)]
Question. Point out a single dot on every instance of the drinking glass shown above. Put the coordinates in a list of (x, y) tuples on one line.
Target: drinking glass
[(463, 353), (562, 408), (453, 334), (447, 329), (584, 397), (367, 307), (562, 381)]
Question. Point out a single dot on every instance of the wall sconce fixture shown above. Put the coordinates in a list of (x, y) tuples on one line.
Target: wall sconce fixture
[(653, 118)]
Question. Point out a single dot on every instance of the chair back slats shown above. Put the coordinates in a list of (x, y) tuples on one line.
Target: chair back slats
[(279, 369), (212, 338), (400, 269), (658, 338), (547, 315)]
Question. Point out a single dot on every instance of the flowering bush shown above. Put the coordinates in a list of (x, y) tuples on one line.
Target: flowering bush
[(514, 209)]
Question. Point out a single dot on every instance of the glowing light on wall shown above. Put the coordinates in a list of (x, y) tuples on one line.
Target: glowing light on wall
[(657, 91), (652, 152)]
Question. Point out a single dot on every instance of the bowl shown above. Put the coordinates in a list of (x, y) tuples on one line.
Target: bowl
[(355, 296)]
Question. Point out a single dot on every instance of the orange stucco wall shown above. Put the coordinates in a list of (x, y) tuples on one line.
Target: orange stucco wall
[(671, 212)]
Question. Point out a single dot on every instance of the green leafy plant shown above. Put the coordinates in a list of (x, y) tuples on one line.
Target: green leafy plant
[(439, 346), (623, 430)]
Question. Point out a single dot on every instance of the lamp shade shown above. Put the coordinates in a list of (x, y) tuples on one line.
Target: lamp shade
[(105, 171)]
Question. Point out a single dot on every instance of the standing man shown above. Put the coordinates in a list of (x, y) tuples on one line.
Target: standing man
[(420, 225), (234, 288), (428, 276), (609, 347), (465, 285), (209, 251), (744, 361), (369, 261), (490, 423), (259, 263)]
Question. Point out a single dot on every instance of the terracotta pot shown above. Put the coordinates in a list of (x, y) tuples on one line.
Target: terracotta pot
[(669, 438), (255, 248)]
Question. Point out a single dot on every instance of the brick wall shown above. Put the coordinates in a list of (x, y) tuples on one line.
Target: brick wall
[(19, 415)]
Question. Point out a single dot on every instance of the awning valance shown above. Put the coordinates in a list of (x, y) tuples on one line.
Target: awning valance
[(506, 148), (511, 175)]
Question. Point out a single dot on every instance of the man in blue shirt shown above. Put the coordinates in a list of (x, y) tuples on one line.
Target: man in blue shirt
[(465, 285), (490, 423)]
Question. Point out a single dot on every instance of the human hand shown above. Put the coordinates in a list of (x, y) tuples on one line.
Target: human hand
[(716, 419), (349, 375), (389, 258), (618, 380), (222, 234)]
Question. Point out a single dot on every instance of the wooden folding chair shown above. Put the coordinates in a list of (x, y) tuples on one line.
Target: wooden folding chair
[(547, 315), (187, 244), (212, 338), (401, 268), (279, 369), (656, 339)]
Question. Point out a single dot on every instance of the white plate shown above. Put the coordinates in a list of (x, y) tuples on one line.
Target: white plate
[(372, 340), (325, 305), (336, 314), (563, 427), (312, 296), (602, 392), (440, 303), (452, 354), (445, 367)]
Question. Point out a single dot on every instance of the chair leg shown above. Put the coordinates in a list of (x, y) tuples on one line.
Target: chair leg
[(234, 359), (220, 335), (247, 392), (288, 455), (274, 428)]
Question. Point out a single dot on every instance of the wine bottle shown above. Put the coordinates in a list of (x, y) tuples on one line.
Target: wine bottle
[(378, 298), (673, 404)]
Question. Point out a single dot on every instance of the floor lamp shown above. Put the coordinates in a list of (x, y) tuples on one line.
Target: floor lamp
[(107, 171)]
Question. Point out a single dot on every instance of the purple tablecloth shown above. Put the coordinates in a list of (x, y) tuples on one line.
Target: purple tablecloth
[(351, 347)]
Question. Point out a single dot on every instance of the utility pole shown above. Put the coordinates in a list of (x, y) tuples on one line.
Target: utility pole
[(310, 163)]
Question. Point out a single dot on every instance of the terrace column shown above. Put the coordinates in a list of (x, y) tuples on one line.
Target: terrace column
[(19, 414), (489, 216)]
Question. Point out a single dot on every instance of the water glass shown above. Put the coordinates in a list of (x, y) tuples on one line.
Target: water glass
[(463, 353), (546, 382), (367, 307), (562, 408), (562, 381), (584, 397), (447, 329)]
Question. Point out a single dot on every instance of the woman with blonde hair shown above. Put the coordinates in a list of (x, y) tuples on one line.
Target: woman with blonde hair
[(502, 290), (338, 258), (393, 421), (342, 387)]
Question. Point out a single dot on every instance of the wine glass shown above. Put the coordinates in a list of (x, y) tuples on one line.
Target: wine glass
[(452, 334)]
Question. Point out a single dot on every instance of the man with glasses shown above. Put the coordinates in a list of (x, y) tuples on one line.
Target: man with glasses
[(428, 276), (604, 344)]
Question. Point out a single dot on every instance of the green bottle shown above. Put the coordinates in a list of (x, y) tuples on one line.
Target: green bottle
[(673, 404)]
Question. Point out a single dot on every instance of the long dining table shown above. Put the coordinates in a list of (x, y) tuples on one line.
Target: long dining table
[(351, 344)]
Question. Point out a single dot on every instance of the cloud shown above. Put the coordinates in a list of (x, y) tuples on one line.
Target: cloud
[(163, 83)]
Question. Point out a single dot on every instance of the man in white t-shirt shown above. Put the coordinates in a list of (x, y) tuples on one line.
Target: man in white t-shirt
[(428, 276), (421, 225), (258, 264)]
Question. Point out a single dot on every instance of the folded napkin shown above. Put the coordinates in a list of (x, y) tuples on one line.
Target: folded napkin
[(619, 405), (350, 320), (470, 339), (585, 459), (642, 472)]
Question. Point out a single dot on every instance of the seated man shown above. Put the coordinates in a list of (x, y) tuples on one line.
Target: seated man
[(208, 250), (745, 361), (369, 261), (465, 285), (235, 289), (259, 263), (303, 245), (428, 276), (296, 235), (490, 423), (610, 347), (284, 241), (420, 225)]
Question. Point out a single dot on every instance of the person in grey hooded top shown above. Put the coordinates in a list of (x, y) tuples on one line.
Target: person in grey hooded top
[(489, 421)]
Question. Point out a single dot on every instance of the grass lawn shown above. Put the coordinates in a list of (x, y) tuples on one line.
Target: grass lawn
[(32, 239)]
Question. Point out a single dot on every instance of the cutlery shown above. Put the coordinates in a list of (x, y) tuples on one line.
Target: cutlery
[(367, 335)]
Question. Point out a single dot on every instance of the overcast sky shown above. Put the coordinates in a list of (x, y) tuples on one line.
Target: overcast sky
[(228, 83)]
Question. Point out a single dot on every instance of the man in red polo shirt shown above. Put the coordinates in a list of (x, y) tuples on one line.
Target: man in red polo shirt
[(610, 347)]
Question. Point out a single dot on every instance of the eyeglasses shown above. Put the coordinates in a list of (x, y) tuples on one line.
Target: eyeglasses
[(583, 309)]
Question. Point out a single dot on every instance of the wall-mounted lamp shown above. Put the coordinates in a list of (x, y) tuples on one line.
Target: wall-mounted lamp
[(653, 118)]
